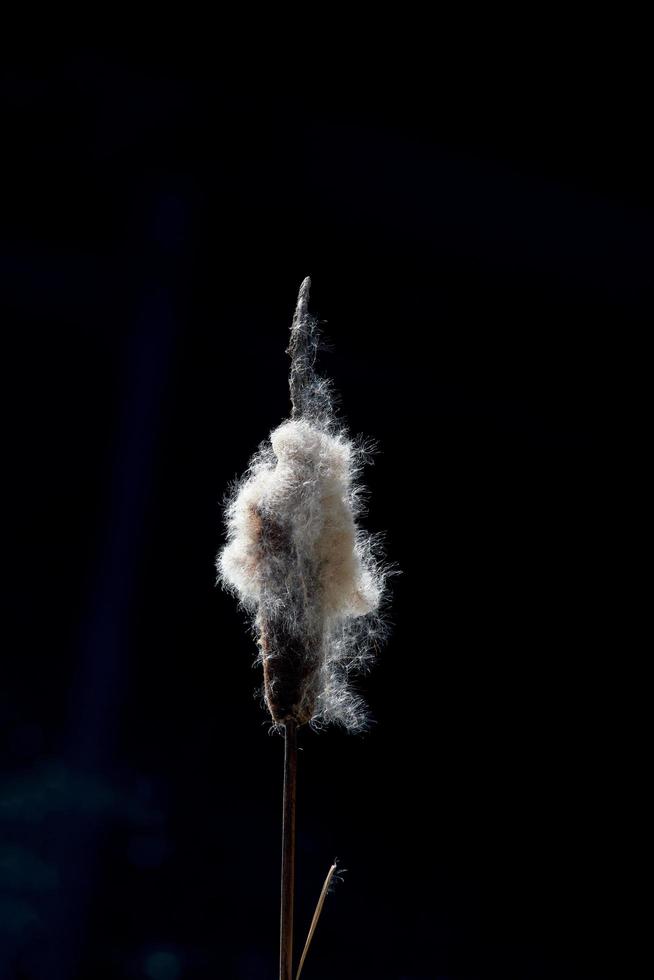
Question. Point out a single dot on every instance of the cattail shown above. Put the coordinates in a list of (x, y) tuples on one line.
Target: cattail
[(312, 580)]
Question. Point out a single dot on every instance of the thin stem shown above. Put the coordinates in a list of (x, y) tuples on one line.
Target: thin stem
[(316, 916), (288, 852)]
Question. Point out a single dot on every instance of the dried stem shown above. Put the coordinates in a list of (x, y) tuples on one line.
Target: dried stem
[(316, 916), (288, 851)]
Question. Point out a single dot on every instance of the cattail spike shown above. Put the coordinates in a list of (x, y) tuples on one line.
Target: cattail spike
[(303, 297), (302, 349), (310, 394), (295, 555)]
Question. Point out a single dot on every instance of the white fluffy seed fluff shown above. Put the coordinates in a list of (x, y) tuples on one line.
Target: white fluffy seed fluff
[(312, 579)]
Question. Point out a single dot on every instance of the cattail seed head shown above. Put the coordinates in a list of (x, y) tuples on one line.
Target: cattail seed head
[(312, 579)]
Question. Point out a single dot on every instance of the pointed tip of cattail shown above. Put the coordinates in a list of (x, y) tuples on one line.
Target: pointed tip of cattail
[(302, 304), (303, 346)]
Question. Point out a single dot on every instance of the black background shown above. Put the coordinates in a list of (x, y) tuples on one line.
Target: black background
[(479, 239)]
